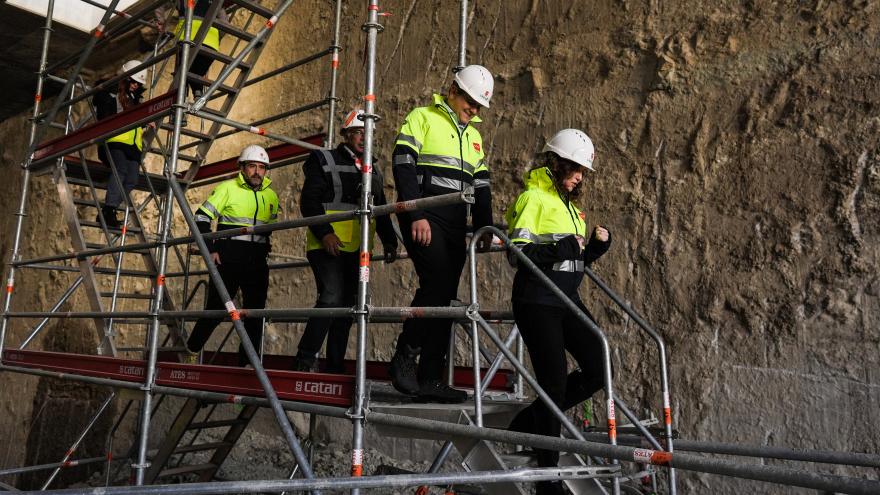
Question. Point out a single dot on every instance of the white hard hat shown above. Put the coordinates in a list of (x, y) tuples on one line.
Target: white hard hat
[(140, 76), (476, 81), (253, 153), (572, 145), (352, 120)]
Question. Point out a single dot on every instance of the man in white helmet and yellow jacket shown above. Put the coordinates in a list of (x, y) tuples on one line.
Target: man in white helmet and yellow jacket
[(439, 151), (244, 201)]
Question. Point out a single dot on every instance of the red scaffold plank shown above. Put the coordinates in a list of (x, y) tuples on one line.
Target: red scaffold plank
[(121, 122), (289, 385), (376, 370), (276, 154), (129, 370)]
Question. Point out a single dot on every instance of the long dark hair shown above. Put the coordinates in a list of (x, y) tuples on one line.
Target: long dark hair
[(560, 169)]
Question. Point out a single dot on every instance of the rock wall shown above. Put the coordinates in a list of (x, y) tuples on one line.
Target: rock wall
[(737, 168)]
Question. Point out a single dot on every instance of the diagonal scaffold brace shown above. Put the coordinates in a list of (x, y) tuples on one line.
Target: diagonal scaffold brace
[(253, 357)]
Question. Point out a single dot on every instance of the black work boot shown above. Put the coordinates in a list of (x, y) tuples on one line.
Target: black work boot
[(109, 214), (403, 370), (439, 391)]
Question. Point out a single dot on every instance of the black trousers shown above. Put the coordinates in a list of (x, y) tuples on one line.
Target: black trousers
[(438, 267), (548, 332), (336, 278), (127, 159), (253, 280)]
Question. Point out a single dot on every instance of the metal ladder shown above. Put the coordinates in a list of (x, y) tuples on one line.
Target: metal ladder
[(76, 181), (176, 442)]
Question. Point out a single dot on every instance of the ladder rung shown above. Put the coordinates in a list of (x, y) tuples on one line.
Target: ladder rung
[(253, 7), (83, 202), (207, 82), (127, 295), (179, 348), (97, 225), (186, 131), (98, 245), (234, 31), (180, 156), (126, 321), (222, 57), (201, 447), (214, 424), (197, 468)]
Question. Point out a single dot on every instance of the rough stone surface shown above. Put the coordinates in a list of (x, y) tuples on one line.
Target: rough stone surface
[(737, 168)]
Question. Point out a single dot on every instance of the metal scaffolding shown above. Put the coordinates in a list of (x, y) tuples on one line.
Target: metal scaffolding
[(594, 462)]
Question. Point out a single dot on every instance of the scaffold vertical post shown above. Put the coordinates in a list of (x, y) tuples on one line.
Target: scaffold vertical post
[(372, 28), (97, 34), (334, 72), (475, 332), (26, 175), (171, 168), (462, 35)]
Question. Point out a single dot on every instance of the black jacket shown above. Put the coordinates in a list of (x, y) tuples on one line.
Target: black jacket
[(526, 286), (318, 189)]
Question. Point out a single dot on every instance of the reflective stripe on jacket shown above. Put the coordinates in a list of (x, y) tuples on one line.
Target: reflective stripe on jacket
[(332, 185), (456, 155), (348, 231), (542, 216), (433, 155), (233, 203)]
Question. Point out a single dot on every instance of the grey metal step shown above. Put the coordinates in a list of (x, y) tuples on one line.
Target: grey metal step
[(222, 57), (144, 349), (83, 202), (201, 447), (227, 28), (97, 225), (181, 156), (253, 7), (480, 455), (207, 82), (186, 131), (214, 424), (196, 468), (127, 295)]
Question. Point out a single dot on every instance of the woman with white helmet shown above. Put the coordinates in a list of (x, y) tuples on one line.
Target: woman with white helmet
[(550, 229), (122, 150)]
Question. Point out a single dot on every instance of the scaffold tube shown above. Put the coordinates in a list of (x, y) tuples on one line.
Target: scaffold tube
[(399, 207), (771, 474)]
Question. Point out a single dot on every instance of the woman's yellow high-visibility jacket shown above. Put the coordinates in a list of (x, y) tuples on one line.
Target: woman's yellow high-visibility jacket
[(543, 223)]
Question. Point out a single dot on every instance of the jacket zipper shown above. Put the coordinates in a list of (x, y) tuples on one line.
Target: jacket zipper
[(461, 133), (256, 211)]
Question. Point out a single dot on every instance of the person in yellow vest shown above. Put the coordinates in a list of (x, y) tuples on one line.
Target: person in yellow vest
[(201, 63), (550, 230), (245, 201), (439, 151), (332, 184), (122, 151)]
